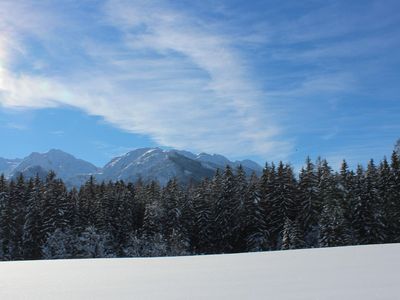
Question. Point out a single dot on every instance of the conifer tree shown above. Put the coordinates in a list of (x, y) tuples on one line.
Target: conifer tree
[(18, 211), (367, 221), (88, 197), (236, 210), (6, 221), (385, 194), (202, 206), (54, 211), (254, 227), (393, 202), (310, 204), (224, 217), (346, 200), (284, 202), (32, 237), (332, 229), (331, 223), (60, 244), (292, 235), (92, 244), (122, 222), (171, 202)]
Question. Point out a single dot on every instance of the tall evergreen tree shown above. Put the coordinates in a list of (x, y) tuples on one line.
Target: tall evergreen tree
[(393, 201), (6, 220), (332, 222), (254, 228), (203, 208), (310, 204), (32, 237), (284, 202), (54, 212), (224, 215), (292, 235), (18, 212)]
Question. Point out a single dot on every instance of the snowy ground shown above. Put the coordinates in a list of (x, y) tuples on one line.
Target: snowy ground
[(366, 272)]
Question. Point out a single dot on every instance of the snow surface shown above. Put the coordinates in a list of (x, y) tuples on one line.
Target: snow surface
[(361, 272)]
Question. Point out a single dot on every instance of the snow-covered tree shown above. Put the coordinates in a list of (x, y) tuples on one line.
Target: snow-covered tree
[(92, 244), (202, 206), (332, 223), (60, 244), (224, 221), (310, 204), (32, 235), (254, 227), (393, 200), (292, 236)]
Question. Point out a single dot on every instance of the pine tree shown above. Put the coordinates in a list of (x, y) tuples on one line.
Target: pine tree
[(332, 222), (224, 217), (171, 202), (393, 201), (385, 194), (18, 212), (346, 200), (88, 198), (368, 216), (203, 218), (122, 216), (332, 229), (60, 244), (92, 244), (237, 208), (5, 219), (254, 227), (310, 204), (54, 212), (73, 212), (284, 202), (268, 192), (216, 194), (152, 219), (292, 235), (139, 205), (32, 237), (377, 230)]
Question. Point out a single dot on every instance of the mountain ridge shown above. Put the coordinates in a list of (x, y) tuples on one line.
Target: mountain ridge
[(151, 163)]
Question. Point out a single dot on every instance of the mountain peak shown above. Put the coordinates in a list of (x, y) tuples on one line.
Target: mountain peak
[(150, 163)]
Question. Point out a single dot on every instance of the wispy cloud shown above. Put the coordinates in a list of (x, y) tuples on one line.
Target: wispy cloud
[(249, 83), (166, 75)]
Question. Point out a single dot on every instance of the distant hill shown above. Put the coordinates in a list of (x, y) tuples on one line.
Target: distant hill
[(144, 163)]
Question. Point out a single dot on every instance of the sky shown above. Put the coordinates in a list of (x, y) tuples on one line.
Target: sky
[(267, 80)]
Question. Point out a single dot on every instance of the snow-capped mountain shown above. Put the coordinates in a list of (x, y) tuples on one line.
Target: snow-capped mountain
[(63, 164), (217, 161), (162, 165), (154, 164), (8, 165), (144, 163)]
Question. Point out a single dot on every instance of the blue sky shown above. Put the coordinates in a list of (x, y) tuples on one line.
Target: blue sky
[(266, 80)]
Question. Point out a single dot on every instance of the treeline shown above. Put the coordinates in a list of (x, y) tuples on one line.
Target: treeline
[(228, 213)]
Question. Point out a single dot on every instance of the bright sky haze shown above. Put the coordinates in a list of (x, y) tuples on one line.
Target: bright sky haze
[(265, 80)]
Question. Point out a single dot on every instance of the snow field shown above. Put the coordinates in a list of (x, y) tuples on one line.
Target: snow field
[(356, 272)]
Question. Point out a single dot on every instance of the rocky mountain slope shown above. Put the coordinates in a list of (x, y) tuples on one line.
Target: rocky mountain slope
[(144, 163)]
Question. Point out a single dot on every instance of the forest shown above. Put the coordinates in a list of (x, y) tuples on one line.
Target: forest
[(229, 213)]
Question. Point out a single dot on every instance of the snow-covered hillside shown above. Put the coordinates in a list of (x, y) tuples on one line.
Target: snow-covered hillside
[(361, 272), (163, 165)]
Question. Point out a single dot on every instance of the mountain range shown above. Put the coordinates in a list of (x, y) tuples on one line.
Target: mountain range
[(144, 163)]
